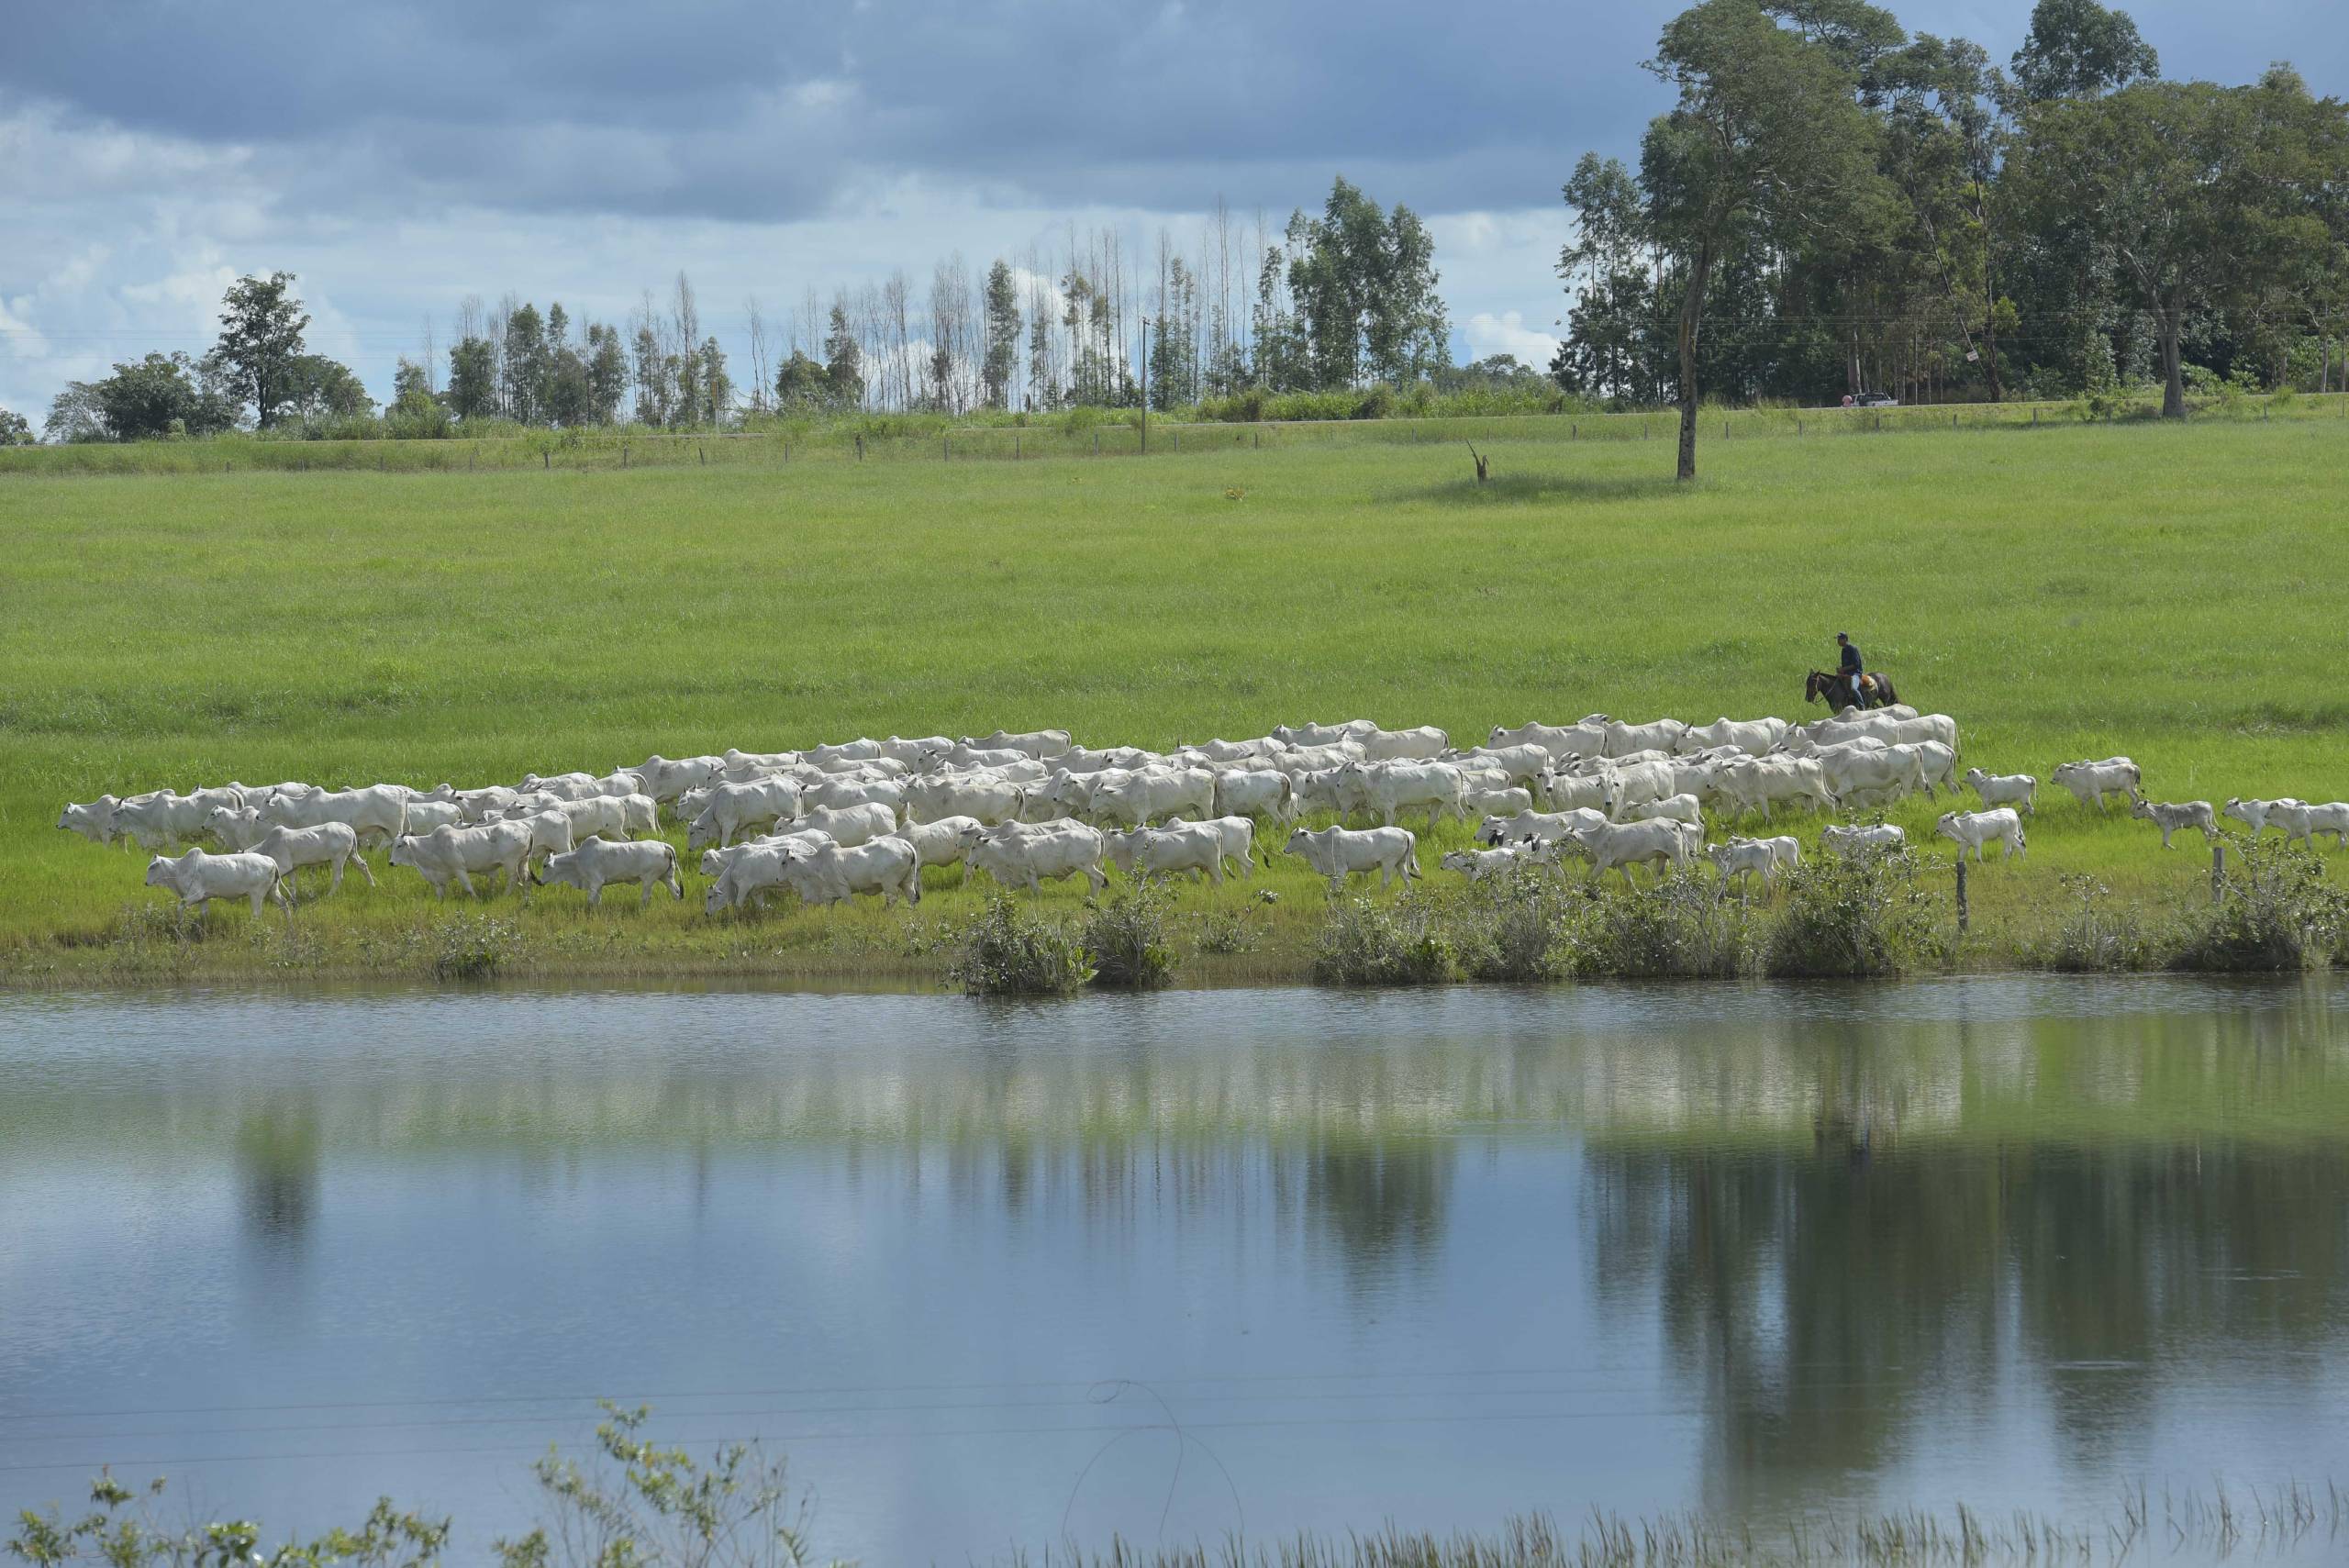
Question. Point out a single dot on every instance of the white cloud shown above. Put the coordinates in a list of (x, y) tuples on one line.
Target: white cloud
[(1507, 333)]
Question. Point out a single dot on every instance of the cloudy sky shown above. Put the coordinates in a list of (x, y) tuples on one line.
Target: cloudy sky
[(401, 156)]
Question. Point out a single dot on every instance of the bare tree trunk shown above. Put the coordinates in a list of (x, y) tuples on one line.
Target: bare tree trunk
[(1692, 308), (2174, 380)]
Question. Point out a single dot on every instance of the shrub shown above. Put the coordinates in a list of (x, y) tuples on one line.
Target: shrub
[(1861, 915), (2277, 911), (1227, 931), (1509, 927), (475, 947), (1363, 943), (2093, 939), (1681, 926), (1125, 939), (1007, 952)]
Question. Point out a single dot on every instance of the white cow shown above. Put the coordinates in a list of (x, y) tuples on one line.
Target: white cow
[(990, 797), (1570, 791), (2254, 813), (1761, 781), (1636, 783), (1744, 857), (1560, 740), (1539, 827), (1488, 802), (1322, 734), (941, 843), (1975, 828), (2091, 782), (198, 878), (1316, 759), (1256, 792), (2005, 789), (447, 854), (334, 844), (1039, 743), (1180, 846), (1018, 855), (912, 754), (735, 805), (591, 816), (1620, 846), (598, 864), (1672, 807), (473, 805), (667, 778), (1478, 864), (1384, 789), (377, 812), (423, 815), (1870, 777), (163, 819), (830, 873), (1340, 853), (1850, 844), (740, 767), (849, 826), (845, 791), (1936, 764), (1421, 743), (1660, 735), (749, 869), (1751, 735), (2300, 820), (551, 830), (1139, 797), (2169, 817), (93, 820), (1522, 764)]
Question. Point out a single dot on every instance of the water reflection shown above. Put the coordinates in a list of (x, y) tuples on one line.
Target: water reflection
[(1745, 1246)]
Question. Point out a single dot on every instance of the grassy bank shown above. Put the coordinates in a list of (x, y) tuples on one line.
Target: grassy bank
[(2177, 594)]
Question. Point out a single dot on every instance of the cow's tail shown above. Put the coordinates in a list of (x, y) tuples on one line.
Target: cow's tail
[(1411, 860)]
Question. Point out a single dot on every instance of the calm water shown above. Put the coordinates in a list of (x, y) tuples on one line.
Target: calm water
[(1434, 1257)]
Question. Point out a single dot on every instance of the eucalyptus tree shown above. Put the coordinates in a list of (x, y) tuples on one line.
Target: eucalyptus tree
[(1767, 146)]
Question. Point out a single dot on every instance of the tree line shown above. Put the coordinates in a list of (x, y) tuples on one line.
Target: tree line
[(1345, 297), (1833, 207)]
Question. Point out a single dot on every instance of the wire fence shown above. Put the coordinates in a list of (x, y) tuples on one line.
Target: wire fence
[(1052, 440)]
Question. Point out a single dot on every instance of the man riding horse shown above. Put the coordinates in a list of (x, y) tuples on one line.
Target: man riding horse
[(1851, 684), (1854, 670)]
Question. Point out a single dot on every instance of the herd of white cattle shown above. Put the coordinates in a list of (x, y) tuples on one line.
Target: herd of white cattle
[(866, 816)]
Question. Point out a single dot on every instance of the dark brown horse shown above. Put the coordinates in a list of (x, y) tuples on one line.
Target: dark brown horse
[(1876, 689)]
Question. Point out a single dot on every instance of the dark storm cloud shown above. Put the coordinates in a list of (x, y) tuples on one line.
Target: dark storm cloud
[(731, 109), (734, 110)]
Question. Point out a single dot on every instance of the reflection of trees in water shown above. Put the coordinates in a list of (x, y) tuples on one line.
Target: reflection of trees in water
[(1822, 1304), (1381, 1204), (1378, 1203), (277, 1173)]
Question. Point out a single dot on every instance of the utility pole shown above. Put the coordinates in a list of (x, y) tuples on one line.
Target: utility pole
[(1145, 386)]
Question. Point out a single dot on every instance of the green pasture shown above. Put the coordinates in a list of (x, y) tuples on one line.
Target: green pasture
[(2176, 593)]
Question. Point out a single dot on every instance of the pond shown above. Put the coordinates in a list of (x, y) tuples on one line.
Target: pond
[(1433, 1257)]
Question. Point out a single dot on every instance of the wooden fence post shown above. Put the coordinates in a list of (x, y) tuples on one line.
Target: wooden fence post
[(1964, 914), (1097, 443), (1015, 446), (860, 449), (547, 461), (2218, 873), (705, 454)]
